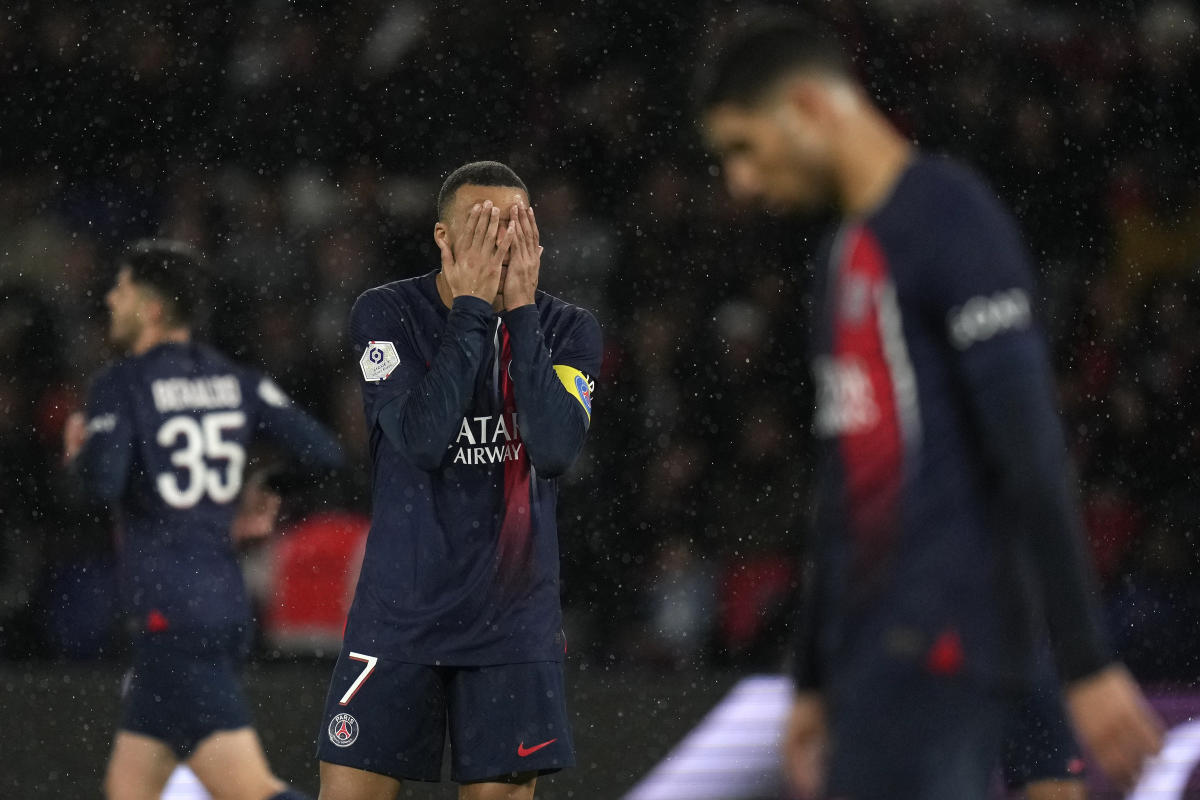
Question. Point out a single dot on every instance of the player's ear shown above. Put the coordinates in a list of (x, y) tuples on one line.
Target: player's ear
[(806, 96), (441, 234), (154, 308)]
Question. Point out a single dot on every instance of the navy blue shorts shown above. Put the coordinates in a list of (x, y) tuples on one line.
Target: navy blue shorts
[(180, 695), (904, 733), (1038, 742), (393, 718)]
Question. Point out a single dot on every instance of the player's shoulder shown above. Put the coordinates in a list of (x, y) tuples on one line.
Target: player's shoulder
[(395, 296), (213, 358), (956, 191), (556, 313), (205, 359), (116, 374)]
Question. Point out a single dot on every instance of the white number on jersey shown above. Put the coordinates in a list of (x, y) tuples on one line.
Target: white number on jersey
[(194, 443)]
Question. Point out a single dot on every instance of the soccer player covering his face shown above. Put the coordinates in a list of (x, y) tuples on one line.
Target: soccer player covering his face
[(477, 390), (946, 533), (164, 441)]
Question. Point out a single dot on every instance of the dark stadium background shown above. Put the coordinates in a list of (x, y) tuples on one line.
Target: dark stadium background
[(301, 145)]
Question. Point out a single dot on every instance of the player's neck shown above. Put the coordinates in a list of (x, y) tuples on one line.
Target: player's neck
[(153, 336), (871, 164)]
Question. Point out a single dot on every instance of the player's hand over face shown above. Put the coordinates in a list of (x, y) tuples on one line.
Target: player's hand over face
[(1114, 722), (471, 262), (524, 259), (805, 743)]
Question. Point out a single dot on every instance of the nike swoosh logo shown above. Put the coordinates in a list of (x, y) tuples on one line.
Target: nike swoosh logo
[(523, 751)]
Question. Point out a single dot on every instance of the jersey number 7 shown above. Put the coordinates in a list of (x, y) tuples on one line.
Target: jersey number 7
[(371, 661)]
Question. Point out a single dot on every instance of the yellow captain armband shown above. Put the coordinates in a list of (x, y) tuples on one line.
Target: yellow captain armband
[(578, 385)]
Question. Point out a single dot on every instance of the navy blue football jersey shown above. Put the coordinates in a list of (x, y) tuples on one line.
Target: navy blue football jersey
[(471, 418), (945, 522), (166, 445)]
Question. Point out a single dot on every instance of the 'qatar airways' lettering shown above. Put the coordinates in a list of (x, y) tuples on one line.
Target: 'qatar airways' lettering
[(845, 398), (490, 439)]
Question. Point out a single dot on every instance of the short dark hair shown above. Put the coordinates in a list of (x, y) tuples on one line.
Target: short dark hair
[(759, 49), (477, 173), (173, 270)]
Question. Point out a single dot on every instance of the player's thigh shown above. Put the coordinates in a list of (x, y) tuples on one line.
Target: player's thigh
[(181, 697), (386, 717), (339, 782), (139, 767), (517, 787), (508, 720), (233, 766), (899, 732)]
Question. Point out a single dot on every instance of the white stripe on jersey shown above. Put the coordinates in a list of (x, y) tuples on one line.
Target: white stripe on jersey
[(895, 352)]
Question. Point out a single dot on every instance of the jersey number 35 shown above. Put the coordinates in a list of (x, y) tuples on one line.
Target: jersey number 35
[(194, 443)]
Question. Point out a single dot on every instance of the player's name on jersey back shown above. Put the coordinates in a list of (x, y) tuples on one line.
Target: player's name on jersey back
[(211, 391)]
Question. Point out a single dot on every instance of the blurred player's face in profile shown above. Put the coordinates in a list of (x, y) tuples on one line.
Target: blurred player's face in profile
[(127, 306), (772, 154), (465, 198)]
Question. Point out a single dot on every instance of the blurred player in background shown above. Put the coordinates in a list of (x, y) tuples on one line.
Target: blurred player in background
[(946, 535), (477, 391), (164, 441)]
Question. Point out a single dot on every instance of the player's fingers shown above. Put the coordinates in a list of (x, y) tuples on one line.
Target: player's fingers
[(803, 769), (447, 254), (481, 223), (492, 228), (1152, 729), (1118, 763), (469, 227), (526, 224), (271, 503), (518, 233), (537, 235), (506, 240), (1145, 739)]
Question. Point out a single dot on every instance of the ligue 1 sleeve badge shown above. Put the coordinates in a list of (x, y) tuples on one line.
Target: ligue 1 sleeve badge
[(378, 360), (343, 730)]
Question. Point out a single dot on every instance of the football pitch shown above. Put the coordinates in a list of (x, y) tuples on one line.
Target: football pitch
[(639, 734)]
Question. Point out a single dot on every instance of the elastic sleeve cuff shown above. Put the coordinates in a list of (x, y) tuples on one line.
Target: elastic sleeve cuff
[(521, 321), (475, 306), (1083, 660)]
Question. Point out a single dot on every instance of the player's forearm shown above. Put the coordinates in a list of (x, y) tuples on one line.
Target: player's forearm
[(313, 445), (422, 423), (1026, 445), (553, 423), (806, 664)]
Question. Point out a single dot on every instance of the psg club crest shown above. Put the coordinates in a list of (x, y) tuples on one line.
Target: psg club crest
[(378, 360), (343, 730)]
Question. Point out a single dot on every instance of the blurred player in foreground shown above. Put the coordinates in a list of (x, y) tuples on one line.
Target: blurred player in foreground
[(946, 533), (164, 441), (478, 394)]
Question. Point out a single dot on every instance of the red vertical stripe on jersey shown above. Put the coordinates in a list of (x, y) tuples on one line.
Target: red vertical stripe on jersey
[(516, 528), (872, 455)]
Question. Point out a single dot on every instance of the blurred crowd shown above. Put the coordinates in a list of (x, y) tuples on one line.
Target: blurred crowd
[(300, 145)]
